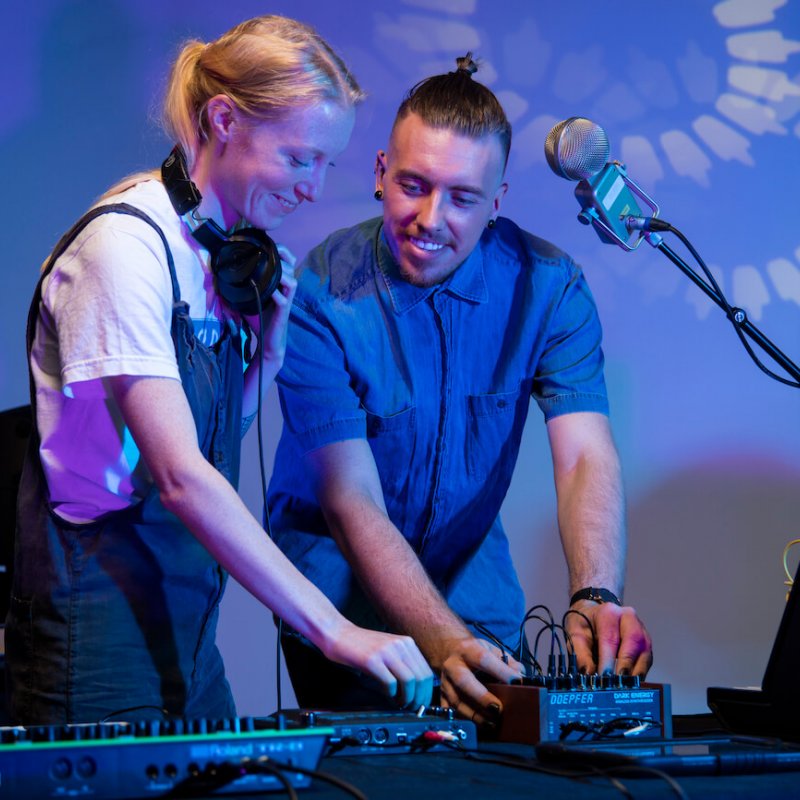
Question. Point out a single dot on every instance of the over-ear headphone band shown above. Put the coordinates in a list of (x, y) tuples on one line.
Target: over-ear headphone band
[(183, 194), (239, 260)]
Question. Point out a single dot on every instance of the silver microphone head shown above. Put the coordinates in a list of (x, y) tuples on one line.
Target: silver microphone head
[(576, 148)]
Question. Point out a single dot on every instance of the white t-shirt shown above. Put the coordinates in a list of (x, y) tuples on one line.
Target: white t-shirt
[(107, 310)]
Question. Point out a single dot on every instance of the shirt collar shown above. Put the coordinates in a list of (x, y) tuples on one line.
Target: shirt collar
[(468, 282)]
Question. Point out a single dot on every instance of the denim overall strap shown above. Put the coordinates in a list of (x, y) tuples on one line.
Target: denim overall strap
[(121, 612)]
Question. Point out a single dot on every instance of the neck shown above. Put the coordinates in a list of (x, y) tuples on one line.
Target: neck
[(210, 206)]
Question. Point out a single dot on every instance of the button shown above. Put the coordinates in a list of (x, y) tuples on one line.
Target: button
[(61, 769), (86, 767)]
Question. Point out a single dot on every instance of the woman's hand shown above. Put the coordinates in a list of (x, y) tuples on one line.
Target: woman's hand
[(394, 661), (276, 314)]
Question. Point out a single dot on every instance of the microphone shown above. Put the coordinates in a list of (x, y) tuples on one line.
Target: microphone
[(577, 149)]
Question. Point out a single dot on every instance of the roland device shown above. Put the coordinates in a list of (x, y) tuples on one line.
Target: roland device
[(156, 758)]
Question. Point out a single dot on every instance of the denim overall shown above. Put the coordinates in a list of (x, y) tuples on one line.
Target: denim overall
[(121, 613)]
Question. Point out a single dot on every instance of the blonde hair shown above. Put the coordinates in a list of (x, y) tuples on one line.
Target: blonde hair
[(265, 65)]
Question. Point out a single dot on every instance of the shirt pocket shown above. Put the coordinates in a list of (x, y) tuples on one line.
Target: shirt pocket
[(493, 432), (392, 441)]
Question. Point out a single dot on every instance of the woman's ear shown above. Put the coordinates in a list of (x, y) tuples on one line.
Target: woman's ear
[(222, 117)]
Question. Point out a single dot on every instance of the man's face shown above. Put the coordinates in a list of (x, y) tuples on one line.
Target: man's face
[(440, 189)]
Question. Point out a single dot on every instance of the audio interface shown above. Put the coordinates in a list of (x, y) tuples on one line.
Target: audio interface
[(382, 732)]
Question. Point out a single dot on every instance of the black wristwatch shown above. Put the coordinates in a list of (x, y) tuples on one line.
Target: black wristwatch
[(596, 594)]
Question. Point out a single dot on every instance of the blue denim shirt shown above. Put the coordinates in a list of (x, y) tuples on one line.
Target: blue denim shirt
[(438, 380)]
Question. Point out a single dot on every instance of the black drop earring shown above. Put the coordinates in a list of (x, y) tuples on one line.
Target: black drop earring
[(378, 194), (490, 223)]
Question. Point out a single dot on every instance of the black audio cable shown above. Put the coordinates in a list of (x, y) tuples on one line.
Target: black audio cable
[(267, 524)]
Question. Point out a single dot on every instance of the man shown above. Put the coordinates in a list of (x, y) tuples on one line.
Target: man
[(417, 342)]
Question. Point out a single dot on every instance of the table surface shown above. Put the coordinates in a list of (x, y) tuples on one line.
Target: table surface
[(508, 771), (434, 776)]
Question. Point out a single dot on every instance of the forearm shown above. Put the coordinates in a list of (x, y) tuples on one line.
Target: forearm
[(591, 521), (393, 577), (209, 506), (591, 505)]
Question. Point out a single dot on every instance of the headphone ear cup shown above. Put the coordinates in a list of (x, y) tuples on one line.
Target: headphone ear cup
[(246, 257)]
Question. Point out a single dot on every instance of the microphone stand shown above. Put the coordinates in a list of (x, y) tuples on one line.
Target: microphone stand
[(610, 202), (739, 317)]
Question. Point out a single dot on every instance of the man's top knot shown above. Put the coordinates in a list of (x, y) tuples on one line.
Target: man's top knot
[(466, 65)]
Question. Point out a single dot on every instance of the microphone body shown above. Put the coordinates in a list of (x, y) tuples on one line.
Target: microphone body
[(607, 199), (577, 149)]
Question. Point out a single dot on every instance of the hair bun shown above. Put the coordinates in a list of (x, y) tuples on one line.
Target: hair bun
[(466, 65)]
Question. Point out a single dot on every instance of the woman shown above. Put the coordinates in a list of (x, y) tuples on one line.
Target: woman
[(128, 517)]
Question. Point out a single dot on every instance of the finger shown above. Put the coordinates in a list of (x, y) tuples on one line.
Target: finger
[(582, 646), (287, 286), (404, 682), (423, 674), (642, 665), (422, 671), (406, 688), (283, 296), (634, 643), (424, 693), (644, 655), (516, 666), (484, 712), (500, 657), (384, 676), (414, 678), (287, 256), (607, 622), (490, 662), (279, 298), (467, 695)]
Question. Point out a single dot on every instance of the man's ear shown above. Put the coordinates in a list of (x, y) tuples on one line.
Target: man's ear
[(498, 198), (380, 170)]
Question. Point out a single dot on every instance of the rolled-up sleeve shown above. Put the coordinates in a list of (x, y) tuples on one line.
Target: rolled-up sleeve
[(318, 403), (569, 375)]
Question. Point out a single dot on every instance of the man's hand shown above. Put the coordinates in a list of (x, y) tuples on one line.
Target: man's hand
[(460, 687), (619, 636), (394, 661)]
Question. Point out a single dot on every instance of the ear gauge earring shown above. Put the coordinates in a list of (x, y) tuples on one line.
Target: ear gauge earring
[(490, 224), (378, 194)]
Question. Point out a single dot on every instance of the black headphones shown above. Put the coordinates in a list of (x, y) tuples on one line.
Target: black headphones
[(238, 260)]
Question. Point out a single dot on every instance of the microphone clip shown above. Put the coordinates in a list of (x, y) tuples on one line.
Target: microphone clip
[(612, 203)]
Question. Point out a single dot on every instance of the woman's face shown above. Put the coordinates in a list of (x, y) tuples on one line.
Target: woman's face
[(265, 169)]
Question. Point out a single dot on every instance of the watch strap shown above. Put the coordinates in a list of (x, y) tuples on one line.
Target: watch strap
[(597, 594)]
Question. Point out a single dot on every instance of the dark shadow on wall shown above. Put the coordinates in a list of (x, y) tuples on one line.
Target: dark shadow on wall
[(705, 569), (86, 132)]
